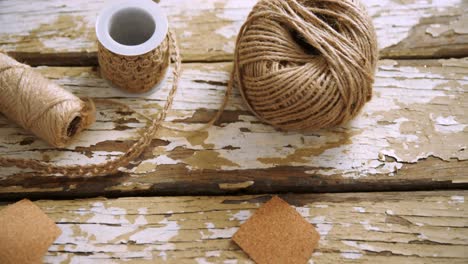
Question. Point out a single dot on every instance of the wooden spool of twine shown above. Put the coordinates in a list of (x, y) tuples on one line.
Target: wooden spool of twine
[(303, 65), (40, 106)]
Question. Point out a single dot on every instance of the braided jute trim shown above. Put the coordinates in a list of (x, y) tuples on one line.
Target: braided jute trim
[(135, 74), (111, 166)]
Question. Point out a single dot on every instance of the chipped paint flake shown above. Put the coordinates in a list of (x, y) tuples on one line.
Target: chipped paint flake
[(351, 255), (458, 26), (203, 261), (168, 230), (304, 211), (215, 233), (458, 199), (366, 224), (241, 216), (359, 209), (214, 253), (447, 125)]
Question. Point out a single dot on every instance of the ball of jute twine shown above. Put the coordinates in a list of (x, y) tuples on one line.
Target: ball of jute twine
[(111, 166), (41, 106), (302, 65)]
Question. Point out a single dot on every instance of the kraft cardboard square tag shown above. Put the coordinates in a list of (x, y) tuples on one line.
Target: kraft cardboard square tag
[(25, 233), (277, 233)]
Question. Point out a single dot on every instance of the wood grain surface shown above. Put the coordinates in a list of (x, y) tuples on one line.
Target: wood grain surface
[(416, 227), (411, 135), (57, 32)]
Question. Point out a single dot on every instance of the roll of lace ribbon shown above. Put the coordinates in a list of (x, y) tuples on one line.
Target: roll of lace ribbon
[(41, 106), (133, 45)]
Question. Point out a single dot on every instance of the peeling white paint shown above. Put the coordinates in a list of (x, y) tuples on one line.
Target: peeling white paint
[(202, 261), (361, 246), (186, 34), (458, 199), (321, 206), (103, 259), (304, 211), (437, 29), (359, 209), (59, 258), (111, 215), (219, 233), (423, 237), (241, 216), (351, 255), (458, 26), (106, 233), (229, 31), (169, 230), (391, 28), (368, 226), (141, 220), (209, 225), (163, 255), (166, 246), (447, 124), (323, 228), (214, 253)]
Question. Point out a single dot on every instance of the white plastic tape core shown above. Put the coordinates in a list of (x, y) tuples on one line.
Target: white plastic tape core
[(131, 27)]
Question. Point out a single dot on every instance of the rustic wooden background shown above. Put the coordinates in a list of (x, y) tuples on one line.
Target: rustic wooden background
[(411, 137)]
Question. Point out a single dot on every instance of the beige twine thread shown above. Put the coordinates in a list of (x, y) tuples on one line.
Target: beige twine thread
[(303, 65), (41, 106), (112, 166)]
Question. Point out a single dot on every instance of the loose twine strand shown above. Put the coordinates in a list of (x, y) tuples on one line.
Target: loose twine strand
[(111, 166)]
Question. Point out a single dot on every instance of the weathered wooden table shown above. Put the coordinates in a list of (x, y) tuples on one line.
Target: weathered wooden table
[(411, 139)]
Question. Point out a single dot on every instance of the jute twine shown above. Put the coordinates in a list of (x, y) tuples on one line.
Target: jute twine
[(303, 65), (111, 166), (41, 106), (136, 74)]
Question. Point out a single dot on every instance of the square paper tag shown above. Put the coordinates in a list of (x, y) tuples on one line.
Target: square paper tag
[(25, 233), (277, 233)]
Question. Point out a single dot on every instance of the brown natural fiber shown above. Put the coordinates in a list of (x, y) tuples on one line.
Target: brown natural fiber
[(40, 106), (136, 74), (112, 166), (305, 64)]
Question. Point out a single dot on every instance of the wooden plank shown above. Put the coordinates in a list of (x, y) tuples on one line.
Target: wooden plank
[(416, 227), (412, 135), (61, 32)]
